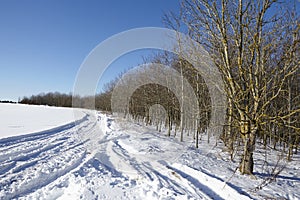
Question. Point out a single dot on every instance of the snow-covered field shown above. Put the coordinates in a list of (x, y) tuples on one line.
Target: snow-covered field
[(19, 119), (103, 157)]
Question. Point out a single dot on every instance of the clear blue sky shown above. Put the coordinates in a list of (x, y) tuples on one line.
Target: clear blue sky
[(43, 43)]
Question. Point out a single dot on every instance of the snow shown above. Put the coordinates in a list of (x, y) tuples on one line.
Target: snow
[(19, 119), (106, 157)]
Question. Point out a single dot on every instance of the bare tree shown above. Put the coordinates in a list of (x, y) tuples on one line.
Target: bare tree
[(254, 44)]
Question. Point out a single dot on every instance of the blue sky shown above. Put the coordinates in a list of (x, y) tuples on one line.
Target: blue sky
[(43, 43)]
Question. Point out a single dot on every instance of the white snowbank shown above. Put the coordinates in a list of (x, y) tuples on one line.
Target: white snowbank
[(19, 119)]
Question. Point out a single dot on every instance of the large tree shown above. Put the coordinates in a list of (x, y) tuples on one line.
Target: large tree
[(255, 45)]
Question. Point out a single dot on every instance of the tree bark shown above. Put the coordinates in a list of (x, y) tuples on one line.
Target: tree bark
[(247, 162)]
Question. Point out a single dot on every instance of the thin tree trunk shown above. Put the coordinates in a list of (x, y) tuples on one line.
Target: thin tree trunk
[(197, 138), (169, 125), (182, 104)]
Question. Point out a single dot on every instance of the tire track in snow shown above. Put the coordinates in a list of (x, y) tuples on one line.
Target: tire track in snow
[(151, 174), (112, 162), (175, 179), (35, 160), (215, 188)]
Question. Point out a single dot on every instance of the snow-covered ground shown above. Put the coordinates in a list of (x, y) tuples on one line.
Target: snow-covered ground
[(103, 157), (19, 119)]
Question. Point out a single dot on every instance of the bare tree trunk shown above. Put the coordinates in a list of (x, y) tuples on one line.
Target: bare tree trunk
[(247, 162), (169, 124), (290, 138), (182, 105), (228, 137), (197, 138)]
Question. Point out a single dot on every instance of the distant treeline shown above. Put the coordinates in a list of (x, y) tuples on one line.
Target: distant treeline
[(102, 101), (6, 101), (50, 99)]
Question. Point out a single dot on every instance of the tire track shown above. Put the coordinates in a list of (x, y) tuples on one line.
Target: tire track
[(33, 161)]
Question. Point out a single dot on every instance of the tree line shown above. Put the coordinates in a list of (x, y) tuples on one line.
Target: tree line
[(255, 45), (64, 100), (50, 99), (7, 101)]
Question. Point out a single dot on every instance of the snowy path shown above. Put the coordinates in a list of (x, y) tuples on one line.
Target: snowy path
[(97, 158)]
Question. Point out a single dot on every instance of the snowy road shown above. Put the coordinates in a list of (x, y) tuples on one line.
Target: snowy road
[(97, 158)]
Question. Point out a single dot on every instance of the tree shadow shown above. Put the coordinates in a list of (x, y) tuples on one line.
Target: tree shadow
[(267, 175)]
